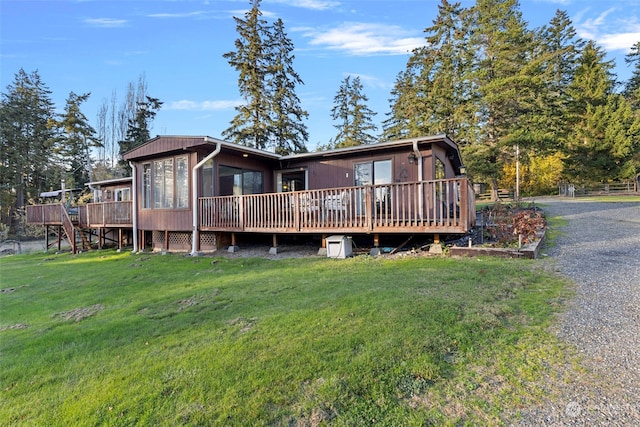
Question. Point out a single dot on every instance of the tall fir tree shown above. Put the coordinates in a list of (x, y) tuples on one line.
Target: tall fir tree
[(139, 127), (76, 141), (554, 62), (405, 110), (605, 143), (26, 143), (354, 117), (632, 86), (251, 126), (433, 94), (502, 45), (289, 133), (446, 69)]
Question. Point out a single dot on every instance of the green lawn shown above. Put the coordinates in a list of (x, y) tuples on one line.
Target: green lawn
[(107, 338)]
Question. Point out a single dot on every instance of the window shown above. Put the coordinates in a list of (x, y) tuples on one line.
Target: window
[(291, 180), (236, 181), (122, 194), (206, 178), (182, 183), (165, 183), (146, 185), (440, 170), (376, 173)]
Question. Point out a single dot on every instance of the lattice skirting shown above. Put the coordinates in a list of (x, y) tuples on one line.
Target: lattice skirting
[(180, 241), (208, 242)]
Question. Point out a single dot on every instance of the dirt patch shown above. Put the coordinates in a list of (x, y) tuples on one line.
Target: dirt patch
[(244, 324), (10, 290), (14, 327), (79, 314)]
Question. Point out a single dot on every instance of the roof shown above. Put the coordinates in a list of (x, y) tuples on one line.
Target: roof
[(173, 143), (169, 143), (113, 181), (56, 193), (376, 147)]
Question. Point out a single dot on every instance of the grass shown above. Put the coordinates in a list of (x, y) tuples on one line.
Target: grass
[(609, 199), (107, 338)]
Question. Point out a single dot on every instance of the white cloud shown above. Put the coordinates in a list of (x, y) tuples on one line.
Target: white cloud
[(185, 104), (371, 81), (310, 4), (363, 39), (198, 14), (265, 13), (591, 27), (612, 29), (620, 41), (106, 22)]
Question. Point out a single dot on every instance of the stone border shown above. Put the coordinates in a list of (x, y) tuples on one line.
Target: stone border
[(530, 250)]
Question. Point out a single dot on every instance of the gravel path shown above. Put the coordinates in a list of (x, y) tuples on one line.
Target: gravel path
[(599, 249)]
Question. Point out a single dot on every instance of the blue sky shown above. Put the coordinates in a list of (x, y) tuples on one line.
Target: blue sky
[(101, 46)]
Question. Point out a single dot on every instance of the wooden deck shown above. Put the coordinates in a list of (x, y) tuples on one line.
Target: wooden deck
[(92, 215), (427, 207), (442, 206)]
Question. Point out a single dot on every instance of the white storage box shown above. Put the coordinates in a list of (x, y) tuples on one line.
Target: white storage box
[(339, 246)]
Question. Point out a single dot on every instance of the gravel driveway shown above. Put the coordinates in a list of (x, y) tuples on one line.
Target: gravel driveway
[(599, 249)]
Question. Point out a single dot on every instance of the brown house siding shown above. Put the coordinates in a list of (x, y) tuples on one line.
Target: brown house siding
[(332, 173)]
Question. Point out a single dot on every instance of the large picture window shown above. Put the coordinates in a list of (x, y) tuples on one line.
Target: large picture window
[(165, 183), (236, 181)]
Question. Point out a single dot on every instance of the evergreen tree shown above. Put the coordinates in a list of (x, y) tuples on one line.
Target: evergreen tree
[(592, 84), (554, 63), (502, 45), (76, 141), (27, 166), (289, 133), (402, 121), (632, 87), (138, 131), (355, 118), (432, 95), (609, 147), (447, 67), (251, 126)]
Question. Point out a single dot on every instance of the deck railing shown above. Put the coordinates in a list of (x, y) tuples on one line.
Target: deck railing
[(49, 214), (56, 214), (106, 214), (428, 206)]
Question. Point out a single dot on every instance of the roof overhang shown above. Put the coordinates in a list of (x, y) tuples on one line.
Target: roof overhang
[(113, 181), (56, 193), (172, 144)]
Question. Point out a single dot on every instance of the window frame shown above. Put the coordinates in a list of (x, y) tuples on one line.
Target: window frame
[(165, 183), (239, 180)]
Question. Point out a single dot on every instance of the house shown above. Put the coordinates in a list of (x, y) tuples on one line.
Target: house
[(198, 194)]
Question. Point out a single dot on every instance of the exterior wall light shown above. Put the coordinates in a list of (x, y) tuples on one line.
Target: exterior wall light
[(412, 158)]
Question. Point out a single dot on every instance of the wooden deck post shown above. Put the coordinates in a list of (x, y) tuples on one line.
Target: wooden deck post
[(323, 246), (375, 251), (274, 245), (233, 247), (59, 238), (119, 239)]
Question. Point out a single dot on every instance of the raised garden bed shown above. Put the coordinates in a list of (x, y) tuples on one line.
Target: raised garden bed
[(507, 231)]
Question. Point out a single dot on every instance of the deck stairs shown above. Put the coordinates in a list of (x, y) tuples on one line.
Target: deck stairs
[(75, 235)]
